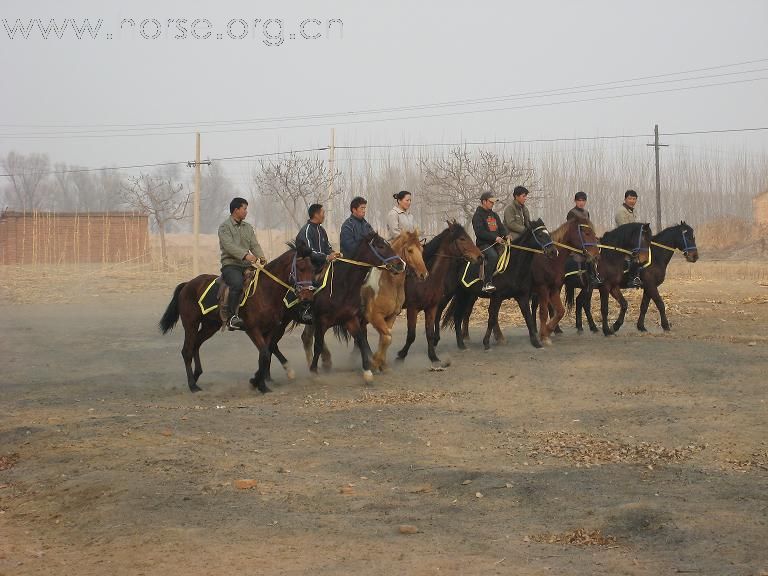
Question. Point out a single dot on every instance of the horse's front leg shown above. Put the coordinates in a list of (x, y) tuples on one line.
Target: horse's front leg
[(493, 317), (643, 309), (319, 330), (411, 315), (276, 337), (587, 306), (656, 297), (380, 324), (558, 310), (307, 338), (429, 323), (524, 303), (360, 335), (261, 342), (542, 299), (604, 294), (619, 297)]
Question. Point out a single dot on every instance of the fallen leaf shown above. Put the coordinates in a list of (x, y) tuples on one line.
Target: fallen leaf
[(245, 484), (408, 529)]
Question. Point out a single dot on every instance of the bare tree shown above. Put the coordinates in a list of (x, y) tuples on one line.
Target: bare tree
[(29, 188), (216, 191), (456, 180), (161, 198), (296, 182)]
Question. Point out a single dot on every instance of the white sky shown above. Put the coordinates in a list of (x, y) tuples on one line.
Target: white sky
[(391, 54)]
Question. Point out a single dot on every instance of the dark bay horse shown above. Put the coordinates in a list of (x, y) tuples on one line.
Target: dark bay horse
[(513, 282), (576, 236), (442, 254), (338, 303), (627, 241), (663, 246), (262, 312)]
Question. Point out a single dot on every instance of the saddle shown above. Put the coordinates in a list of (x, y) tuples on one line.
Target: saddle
[(216, 294)]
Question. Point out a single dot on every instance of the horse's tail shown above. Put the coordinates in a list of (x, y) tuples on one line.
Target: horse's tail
[(447, 321), (570, 290), (171, 316), (341, 333)]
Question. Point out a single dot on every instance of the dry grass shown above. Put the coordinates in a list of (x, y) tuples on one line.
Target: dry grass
[(578, 537)]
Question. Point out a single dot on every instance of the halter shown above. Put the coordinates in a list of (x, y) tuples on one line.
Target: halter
[(584, 245), (543, 246), (382, 258), (299, 284), (686, 247)]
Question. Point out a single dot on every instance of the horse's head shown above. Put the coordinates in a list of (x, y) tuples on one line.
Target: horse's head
[(302, 273), (688, 242), (462, 245), (543, 239), (579, 233), (409, 247), (376, 251)]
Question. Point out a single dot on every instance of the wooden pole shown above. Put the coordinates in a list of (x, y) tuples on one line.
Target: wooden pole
[(656, 147), (331, 167), (196, 212)]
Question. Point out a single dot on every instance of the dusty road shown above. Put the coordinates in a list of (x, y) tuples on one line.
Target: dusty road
[(635, 454)]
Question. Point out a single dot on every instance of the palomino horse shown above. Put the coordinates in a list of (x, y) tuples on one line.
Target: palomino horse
[(576, 236), (262, 312), (442, 254), (383, 293), (514, 281), (663, 246), (632, 241)]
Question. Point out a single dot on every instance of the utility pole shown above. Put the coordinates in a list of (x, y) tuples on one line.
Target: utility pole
[(656, 147), (331, 165), (196, 209)]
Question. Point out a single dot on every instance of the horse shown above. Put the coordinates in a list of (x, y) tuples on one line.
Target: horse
[(262, 312), (663, 246), (631, 240), (442, 254), (576, 236), (383, 293), (514, 281), (338, 304)]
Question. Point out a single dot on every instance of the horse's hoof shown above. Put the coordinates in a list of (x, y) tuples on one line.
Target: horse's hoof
[(616, 327), (642, 329), (194, 388), (595, 329), (537, 344), (400, 356), (264, 389), (254, 382), (608, 332), (667, 328), (437, 367), (546, 341), (367, 376), (289, 373), (445, 362)]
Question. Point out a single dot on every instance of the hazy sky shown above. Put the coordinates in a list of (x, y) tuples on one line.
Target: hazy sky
[(382, 55)]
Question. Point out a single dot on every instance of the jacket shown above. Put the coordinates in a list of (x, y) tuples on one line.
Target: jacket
[(236, 240), (398, 220), (315, 238), (352, 232), (625, 215), (516, 218), (575, 213), (487, 226)]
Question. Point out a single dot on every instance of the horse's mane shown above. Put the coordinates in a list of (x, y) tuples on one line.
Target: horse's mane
[(621, 235), (402, 240), (528, 232), (453, 231), (669, 229), (558, 235)]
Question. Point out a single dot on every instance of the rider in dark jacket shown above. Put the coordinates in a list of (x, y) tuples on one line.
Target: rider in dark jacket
[(489, 231), (355, 228), (314, 236)]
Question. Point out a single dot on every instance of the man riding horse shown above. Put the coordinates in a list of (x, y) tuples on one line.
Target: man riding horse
[(624, 215), (239, 249), (313, 236), (489, 231)]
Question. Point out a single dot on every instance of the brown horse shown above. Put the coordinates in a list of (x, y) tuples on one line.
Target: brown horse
[(631, 241), (338, 303), (576, 236), (383, 293), (262, 312), (442, 254)]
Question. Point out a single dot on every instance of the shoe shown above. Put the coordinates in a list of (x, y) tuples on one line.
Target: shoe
[(235, 323), (489, 287), (636, 282), (595, 280)]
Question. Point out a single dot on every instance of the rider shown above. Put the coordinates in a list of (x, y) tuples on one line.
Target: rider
[(314, 236), (399, 219), (354, 228), (516, 216), (489, 231), (579, 212), (626, 215), (239, 250)]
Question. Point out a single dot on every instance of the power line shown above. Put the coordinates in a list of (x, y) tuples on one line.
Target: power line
[(402, 145), (529, 94), (391, 119)]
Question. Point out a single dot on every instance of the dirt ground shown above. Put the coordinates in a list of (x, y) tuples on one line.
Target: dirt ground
[(633, 454)]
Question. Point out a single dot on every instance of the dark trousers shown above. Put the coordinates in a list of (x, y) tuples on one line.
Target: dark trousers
[(491, 261), (233, 276)]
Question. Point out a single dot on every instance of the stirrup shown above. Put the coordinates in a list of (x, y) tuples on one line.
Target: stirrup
[(235, 323), (488, 287)]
